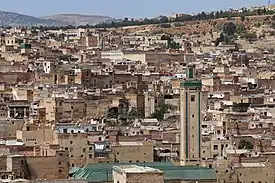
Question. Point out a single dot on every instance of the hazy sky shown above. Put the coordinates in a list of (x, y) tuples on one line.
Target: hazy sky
[(121, 8)]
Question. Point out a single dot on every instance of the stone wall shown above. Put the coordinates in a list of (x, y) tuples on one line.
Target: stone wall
[(145, 178), (138, 153), (3, 164), (49, 168)]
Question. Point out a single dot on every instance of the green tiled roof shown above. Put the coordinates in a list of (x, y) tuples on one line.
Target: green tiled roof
[(103, 171), (191, 84), (73, 170), (25, 46)]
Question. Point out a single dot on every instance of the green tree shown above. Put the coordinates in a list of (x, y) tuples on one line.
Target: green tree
[(160, 111), (112, 113), (242, 18), (241, 29), (133, 113), (245, 144), (165, 25), (272, 33), (230, 28), (174, 45), (273, 21), (249, 36)]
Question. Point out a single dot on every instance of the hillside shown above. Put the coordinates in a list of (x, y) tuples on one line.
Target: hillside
[(16, 19), (76, 19)]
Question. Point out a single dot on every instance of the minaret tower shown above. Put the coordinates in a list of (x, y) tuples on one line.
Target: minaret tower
[(190, 118)]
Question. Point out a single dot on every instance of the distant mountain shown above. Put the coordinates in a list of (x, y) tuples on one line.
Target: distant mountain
[(16, 19), (76, 19)]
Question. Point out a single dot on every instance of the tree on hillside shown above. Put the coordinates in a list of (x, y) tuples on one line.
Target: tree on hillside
[(164, 25), (229, 28), (273, 22), (242, 18), (249, 36), (241, 29)]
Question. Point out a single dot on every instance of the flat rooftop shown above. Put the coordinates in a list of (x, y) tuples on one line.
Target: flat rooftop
[(130, 143), (136, 169), (253, 165)]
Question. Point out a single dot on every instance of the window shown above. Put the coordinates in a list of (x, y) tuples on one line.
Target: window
[(71, 142), (84, 150), (192, 98), (215, 147), (90, 148), (130, 161), (72, 165), (72, 156), (90, 156), (193, 115), (66, 148)]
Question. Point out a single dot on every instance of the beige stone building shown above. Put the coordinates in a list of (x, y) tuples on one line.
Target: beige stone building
[(49, 105), (80, 151), (32, 136), (133, 174), (10, 41), (246, 172), (35, 167), (70, 109), (133, 152)]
